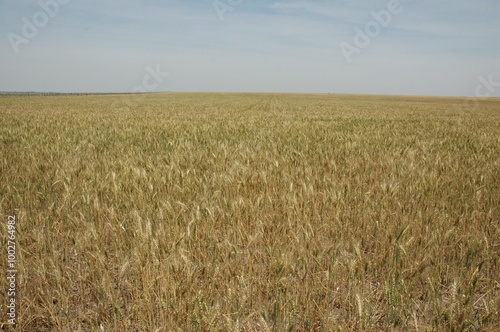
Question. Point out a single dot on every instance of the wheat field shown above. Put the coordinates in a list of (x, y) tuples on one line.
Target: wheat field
[(251, 212)]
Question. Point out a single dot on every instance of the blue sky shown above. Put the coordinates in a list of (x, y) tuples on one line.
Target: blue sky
[(426, 48)]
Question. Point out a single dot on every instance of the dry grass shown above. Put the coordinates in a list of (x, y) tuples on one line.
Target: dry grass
[(206, 212)]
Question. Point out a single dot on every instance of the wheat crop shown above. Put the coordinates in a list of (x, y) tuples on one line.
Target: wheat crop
[(252, 212)]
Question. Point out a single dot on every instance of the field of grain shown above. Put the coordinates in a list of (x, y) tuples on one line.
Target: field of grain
[(252, 212)]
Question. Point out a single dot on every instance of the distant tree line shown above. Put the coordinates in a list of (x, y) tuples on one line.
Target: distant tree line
[(34, 93)]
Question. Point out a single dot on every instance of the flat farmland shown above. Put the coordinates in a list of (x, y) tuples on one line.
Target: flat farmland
[(251, 212)]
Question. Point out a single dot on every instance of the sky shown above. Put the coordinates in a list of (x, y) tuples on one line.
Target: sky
[(396, 47)]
